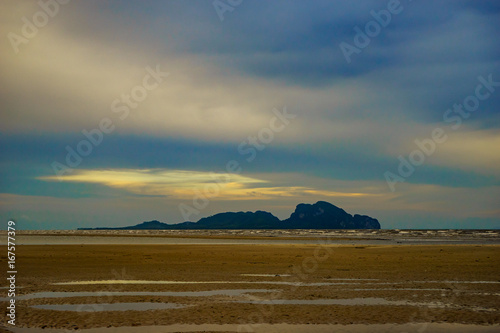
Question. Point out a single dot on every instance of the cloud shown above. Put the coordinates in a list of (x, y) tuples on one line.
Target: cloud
[(468, 150), (353, 120), (183, 184)]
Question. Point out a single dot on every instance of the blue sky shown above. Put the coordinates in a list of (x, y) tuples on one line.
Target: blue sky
[(188, 114)]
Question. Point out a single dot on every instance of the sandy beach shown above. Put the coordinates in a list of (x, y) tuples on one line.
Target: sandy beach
[(247, 285)]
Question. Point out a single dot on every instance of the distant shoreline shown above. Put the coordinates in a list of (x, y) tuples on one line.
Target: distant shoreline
[(248, 236)]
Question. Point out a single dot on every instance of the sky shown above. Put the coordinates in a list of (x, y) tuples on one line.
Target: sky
[(119, 112)]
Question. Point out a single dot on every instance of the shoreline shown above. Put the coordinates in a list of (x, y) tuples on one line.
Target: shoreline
[(249, 236)]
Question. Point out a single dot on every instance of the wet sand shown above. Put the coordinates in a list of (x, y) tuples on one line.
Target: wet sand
[(289, 328), (298, 284)]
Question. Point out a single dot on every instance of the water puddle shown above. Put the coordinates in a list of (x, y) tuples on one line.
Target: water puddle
[(64, 294), (70, 283), (399, 289), (442, 290), (109, 282), (290, 283), (351, 279), (266, 275), (441, 305), (362, 301), (416, 282), (144, 306), (480, 282), (348, 301)]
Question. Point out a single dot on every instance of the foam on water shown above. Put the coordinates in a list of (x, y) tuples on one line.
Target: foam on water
[(304, 236)]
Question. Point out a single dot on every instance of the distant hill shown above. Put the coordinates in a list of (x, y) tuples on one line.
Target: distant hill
[(324, 215), (248, 220), (321, 215)]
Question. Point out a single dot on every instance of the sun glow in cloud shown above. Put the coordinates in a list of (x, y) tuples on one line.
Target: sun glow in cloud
[(184, 184)]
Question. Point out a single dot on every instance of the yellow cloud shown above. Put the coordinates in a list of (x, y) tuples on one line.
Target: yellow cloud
[(185, 184)]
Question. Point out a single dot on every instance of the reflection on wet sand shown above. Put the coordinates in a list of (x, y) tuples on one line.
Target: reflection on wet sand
[(98, 307)]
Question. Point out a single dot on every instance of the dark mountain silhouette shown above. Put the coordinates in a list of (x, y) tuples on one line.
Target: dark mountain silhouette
[(151, 225), (324, 215), (321, 215), (248, 220)]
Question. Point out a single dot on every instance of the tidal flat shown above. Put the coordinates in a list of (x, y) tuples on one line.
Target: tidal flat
[(248, 287)]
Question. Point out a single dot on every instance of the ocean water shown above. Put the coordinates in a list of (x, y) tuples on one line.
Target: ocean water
[(341, 237)]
